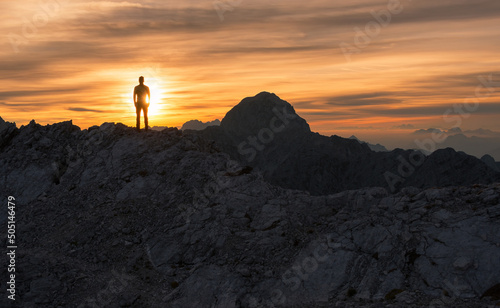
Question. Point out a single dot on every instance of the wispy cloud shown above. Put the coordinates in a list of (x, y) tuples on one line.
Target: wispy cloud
[(80, 109)]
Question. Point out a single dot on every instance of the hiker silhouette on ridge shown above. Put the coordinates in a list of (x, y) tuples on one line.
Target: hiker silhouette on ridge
[(142, 98)]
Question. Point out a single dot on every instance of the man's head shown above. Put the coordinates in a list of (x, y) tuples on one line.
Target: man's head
[(141, 80)]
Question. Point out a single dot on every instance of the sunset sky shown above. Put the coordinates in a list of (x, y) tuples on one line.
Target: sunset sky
[(80, 60)]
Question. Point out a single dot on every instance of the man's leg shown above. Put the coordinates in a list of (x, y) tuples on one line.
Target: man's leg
[(145, 110), (138, 121)]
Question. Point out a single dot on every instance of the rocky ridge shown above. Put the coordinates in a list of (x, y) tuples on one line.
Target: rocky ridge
[(267, 134), (374, 147), (198, 125), (110, 217)]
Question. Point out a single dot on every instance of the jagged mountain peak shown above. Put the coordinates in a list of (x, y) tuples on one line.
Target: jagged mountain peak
[(199, 125), (263, 111)]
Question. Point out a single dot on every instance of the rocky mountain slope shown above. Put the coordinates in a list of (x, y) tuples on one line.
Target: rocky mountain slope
[(198, 125), (108, 217), (374, 147), (265, 132), (490, 161)]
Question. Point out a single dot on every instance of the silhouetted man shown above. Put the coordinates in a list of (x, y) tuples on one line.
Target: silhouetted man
[(142, 97)]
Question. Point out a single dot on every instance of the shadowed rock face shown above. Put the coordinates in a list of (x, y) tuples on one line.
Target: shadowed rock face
[(490, 161), (374, 147), (7, 132), (109, 216), (265, 132), (161, 219), (265, 111)]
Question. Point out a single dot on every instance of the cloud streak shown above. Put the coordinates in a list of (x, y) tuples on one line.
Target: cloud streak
[(80, 109)]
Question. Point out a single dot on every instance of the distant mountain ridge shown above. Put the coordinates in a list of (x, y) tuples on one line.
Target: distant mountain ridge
[(374, 147), (265, 132), (477, 142), (199, 125)]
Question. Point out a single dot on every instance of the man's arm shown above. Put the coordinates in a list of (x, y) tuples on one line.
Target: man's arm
[(135, 96), (149, 96)]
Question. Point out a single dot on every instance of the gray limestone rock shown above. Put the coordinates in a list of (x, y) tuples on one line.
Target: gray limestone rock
[(166, 219)]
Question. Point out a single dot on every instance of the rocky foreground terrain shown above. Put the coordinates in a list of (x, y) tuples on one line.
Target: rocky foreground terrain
[(109, 217)]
